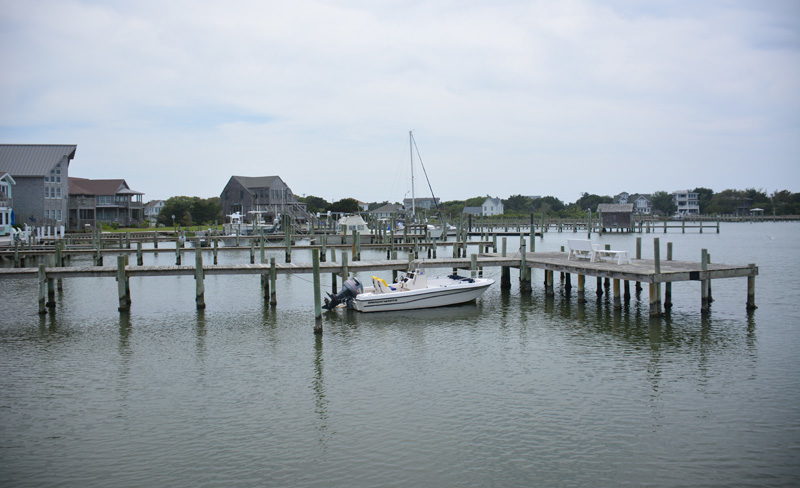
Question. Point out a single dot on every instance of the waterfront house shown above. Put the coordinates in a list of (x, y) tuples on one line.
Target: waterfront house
[(152, 209), (473, 211), (616, 216), (642, 205), (6, 203), (261, 198), (492, 206), (388, 211), (622, 197), (40, 172), (687, 202), (94, 202), (421, 203)]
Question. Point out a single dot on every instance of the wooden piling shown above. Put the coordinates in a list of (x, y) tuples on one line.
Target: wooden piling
[(215, 249), (199, 279), (178, 245), (473, 265), (42, 290), (668, 285), (273, 281), (139, 257), (704, 303), (548, 283), (524, 270), (617, 298), (581, 288), (751, 290), (122, 282), (317, 292), (252, 251), (51, 285)]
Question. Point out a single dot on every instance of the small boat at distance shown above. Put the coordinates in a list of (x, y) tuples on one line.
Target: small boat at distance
[(414, 290)]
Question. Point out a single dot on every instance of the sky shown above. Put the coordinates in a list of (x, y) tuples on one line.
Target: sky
[(503, 97)]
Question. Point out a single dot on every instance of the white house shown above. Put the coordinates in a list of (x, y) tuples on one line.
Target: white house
[(641, 204), (152, 209), (687, 201), (492, 206)]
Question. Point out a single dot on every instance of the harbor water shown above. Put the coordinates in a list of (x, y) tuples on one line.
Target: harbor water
[(513, 390)]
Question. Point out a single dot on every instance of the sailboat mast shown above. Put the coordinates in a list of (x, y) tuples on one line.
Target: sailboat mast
[(411, 153)]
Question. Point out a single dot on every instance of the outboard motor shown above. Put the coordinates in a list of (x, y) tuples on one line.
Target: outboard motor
[(350, 289)]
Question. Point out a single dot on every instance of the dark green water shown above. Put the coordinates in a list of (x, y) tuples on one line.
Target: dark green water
[(509, 391)]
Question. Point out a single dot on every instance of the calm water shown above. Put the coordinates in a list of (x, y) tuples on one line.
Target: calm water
[(509, 391)]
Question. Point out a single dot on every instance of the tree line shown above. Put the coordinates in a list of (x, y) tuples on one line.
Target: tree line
[(201, 211)]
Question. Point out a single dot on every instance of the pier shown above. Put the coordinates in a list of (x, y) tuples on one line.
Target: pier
[(654, 272)]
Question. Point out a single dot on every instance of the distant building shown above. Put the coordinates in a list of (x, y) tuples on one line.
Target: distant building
[(421, 203), (261, 198), (492, 206), (642, 205), (6, 203), (388, 211), (152, 209), (688, 202), (473, 211), (94, 202), (40, 172), (616, 216), (622, 197), (362, 206)]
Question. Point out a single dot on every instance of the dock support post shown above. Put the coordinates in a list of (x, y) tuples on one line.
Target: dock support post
[(599, 287), (638, 286), (323, 257), (668, 285), (42, 290), (524, 270), (345, 269), (264, 280), (617, 298), (751, 288), (139, 257), (177, 250), (655, 300), (581, 288), (317, 293), (199, 279), (505, 271), (60, 262), (216, 249), (252, 251), (273, 281), (98, 256), (473, 265), (567, 282), (122, 286), (626, 290), (704, 302), (51, 286), (548, 283)]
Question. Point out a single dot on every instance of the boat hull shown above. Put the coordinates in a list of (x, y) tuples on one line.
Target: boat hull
[(422, 298)]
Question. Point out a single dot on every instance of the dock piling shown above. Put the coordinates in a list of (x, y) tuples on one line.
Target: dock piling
[(199, 277), (317, 292)]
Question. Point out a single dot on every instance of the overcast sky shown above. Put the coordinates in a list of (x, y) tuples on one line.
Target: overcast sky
[(504, 97)]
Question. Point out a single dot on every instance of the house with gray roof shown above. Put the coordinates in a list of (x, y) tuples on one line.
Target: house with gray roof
[(388, 211), (40, 171), (6, 203), (261, 199), (94, 202)]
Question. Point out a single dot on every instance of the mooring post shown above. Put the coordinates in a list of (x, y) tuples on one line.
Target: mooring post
[(122, 292), (345, 269), (60, 262), (323, 257), (264, 279), (655, 287), (216, 249), (668, 284), (139, 257), (155, 240), (98, 256), (638, 286), (589, 225), (524, 271), (273, 281), (473, 265), (617, 298), (119, 241), (548, 283), (704, 303), (51, 285), (199, 278), (317, 292), (751, 288), (42, 290), (252, 251), (177, 250)]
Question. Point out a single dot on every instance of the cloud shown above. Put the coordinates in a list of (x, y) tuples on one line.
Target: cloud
[(512, 97)]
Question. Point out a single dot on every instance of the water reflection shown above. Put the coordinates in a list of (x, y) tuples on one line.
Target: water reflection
[(200, 334), (318, 387)]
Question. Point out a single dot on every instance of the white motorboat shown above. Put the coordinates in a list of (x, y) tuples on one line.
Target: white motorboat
[(413, 291)]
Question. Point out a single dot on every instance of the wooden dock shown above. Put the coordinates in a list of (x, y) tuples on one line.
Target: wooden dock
[(653, 272)]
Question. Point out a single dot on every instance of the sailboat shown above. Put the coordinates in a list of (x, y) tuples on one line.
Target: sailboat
[(435, 231)]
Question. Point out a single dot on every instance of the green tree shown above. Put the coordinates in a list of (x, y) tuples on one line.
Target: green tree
[(704, 196), (785, 202), (194, 210), (474, 201), (345, 205), (663, 203), (591, 201), (315, 204), (518, 204), (548, 205)]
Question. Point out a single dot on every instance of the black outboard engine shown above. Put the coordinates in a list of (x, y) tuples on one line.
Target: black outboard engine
[(350, 289)]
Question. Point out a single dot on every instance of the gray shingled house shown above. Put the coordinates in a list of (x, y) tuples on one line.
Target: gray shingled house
[(264, 196), (40, 172)]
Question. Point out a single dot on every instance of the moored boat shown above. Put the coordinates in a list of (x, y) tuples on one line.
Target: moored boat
[(413, 291)]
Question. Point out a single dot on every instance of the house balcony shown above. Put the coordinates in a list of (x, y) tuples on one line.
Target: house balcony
[(6, 202)]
